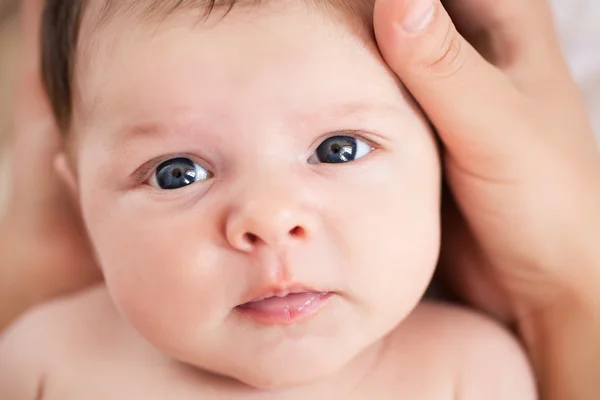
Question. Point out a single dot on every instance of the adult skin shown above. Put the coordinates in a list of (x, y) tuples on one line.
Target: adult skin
[(520, 160), (523, 166)]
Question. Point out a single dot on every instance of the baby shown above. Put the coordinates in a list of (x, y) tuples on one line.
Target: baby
[(264, 201)]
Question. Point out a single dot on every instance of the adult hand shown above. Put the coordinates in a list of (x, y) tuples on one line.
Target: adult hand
[(44, 251), (521, 234)]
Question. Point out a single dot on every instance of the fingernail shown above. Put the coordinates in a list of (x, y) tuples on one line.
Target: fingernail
[(418, 16)]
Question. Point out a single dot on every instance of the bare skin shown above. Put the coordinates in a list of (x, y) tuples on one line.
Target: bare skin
[(44, 250), (88, 351), (186, 304), (524, 171), (562, 337)]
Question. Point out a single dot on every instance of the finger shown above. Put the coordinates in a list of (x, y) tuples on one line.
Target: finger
[(520, 38), (462, 94), (510, 32)]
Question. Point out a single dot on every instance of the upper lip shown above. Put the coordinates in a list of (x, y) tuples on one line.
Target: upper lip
[(279, 291)]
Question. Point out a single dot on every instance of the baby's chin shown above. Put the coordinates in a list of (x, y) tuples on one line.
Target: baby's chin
[(280, 370), (300, 372), (286, 374)]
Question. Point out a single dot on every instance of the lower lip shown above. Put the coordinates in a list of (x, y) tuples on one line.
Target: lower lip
[(287, 310)]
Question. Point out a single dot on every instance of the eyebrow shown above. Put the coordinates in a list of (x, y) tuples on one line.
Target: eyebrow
[(357, 108), (337, 111)]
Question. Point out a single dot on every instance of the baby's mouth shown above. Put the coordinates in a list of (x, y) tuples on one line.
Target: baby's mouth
[(284, 308)]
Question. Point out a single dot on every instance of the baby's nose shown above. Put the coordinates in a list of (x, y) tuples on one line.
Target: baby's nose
[(275, 223)]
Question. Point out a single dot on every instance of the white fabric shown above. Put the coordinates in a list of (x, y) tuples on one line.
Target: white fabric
[(579, 29)]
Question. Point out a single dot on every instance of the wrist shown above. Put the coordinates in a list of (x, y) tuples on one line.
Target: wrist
[(563, 342)]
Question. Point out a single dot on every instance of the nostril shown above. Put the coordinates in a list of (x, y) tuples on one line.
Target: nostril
[(297, 232), (251, 238)]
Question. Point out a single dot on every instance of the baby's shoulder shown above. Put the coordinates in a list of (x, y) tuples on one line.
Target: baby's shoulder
[(449, 327), (65, 321), (481, 357), (55, 330)]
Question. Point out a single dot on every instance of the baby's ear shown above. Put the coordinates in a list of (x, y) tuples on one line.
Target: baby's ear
[(66, 173)]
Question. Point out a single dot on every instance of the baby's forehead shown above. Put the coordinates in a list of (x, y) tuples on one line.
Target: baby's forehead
[(116, 20), (116, 58), (98, 14), (106, 23)]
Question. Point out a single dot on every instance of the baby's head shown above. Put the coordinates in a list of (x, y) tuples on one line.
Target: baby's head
[(224, 154)]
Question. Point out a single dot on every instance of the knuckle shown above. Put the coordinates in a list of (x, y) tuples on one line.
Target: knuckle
[(447, 56)]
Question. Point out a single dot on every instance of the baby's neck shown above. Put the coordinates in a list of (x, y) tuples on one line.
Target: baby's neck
[(356, 374)]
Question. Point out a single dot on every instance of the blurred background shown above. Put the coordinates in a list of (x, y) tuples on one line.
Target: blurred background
[(578, 24), (9, 45)]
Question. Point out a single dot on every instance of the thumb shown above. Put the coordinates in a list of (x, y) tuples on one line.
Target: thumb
[(462, 94)]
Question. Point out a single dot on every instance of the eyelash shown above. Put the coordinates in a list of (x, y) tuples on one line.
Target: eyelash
[(352, 133), (143, 173)]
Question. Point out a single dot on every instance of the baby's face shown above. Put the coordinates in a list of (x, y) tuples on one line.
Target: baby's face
[(225, 162)]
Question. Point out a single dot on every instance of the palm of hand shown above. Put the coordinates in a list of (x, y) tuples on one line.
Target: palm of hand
[(509, 241)]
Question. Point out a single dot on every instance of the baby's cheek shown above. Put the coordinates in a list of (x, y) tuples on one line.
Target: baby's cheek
[(400, 253), (399, 237), (160, 278)]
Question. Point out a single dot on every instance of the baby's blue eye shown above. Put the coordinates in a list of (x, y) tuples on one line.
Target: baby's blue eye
[(340, 149), (177, 173)]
